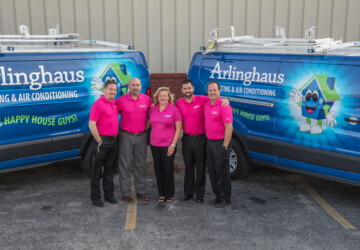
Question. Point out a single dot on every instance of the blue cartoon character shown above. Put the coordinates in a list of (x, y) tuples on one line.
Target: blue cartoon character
[(316, 98), (115, 71)]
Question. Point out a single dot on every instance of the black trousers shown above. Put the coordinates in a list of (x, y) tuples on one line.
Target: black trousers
[(164, 171), (194, 153), (105, 157), (217, 159)]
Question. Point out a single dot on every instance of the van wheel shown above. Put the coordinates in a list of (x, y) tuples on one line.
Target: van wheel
[(87, 159), (239, 165)]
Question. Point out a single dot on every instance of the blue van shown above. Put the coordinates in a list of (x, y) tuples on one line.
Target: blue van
[(294, 110), (46, 94)]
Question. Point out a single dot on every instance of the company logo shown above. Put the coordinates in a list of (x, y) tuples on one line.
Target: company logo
[(232, 73), (117, 72), (36, 79)]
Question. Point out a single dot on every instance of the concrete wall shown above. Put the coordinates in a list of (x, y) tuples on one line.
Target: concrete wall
[(170, 31)]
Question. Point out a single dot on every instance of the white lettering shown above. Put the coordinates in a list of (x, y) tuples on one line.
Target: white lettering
[(247, 77)]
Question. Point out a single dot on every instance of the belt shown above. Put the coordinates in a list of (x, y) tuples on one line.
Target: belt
[(194, 136), (215, 140), (109, 137), (134, 134)]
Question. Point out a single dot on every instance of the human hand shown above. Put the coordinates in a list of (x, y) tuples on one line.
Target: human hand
[(171, 150), (225, 102)]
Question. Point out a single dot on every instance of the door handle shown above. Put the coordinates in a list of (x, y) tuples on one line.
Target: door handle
[(352, 120)]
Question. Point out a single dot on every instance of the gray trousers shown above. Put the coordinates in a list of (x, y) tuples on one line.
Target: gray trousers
[(132, 148)]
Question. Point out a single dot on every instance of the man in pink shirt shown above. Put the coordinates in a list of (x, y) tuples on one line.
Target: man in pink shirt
[(104, 127), (133, 108), (218, 129), (194, 140)]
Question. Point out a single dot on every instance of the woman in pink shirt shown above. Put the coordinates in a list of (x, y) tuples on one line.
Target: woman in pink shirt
[(166, 122)]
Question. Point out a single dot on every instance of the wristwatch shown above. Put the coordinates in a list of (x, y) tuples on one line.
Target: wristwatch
[(174, 145)]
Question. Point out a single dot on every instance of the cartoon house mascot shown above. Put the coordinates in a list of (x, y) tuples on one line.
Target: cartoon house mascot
[(117, 72), (316, 98)]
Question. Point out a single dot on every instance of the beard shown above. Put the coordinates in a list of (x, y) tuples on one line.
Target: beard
[(188, 95)]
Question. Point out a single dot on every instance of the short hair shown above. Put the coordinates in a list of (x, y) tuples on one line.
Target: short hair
[(186, 81), (108, 82), (134, 79), (215, 83), (156, 95)]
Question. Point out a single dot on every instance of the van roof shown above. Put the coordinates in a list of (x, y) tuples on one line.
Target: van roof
[(281, 45), (54, 42)]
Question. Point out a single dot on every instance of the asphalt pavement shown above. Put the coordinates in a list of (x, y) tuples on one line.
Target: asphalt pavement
[(50, 208)]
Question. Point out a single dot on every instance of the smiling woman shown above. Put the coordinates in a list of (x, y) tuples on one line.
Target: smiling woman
[(166, 123)]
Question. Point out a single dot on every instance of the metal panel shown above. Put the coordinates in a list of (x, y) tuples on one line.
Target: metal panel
[(126, 12), (339, 19), (22, 13), (196, 27), (282, 14), (52, 13), (296, 29), (111, 21), (210, 18), (352, 30), (182, 36), (96, 20), (239, 17), (82, 18), (155, 53), (140, 27), (170, 31), (7, 18), (37, 17), (310, 14), (324, 16), (253, 19), (67, 16), (225, 17), (267, 18), (168, 36)]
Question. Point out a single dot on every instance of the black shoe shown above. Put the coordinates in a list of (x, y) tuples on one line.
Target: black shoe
[(214, 201), (199, 199), (222, 203), (97, 203), (111, 200), (188, 197)]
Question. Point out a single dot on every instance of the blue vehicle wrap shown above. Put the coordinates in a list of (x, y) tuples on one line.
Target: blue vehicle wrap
[(296, 112), (45, 101)]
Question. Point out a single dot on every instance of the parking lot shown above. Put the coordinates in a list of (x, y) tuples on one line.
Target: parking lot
[(49, 208)]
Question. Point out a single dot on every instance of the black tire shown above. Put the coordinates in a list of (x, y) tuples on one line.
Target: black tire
[(87, 159), (239, 165)]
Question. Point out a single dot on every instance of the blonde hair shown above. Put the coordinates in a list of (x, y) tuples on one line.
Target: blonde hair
[(156, 95)]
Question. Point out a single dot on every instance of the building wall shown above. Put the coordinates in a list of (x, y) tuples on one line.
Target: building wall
[(170, 31)]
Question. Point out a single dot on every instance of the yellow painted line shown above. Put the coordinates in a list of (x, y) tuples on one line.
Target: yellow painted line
[(330, 210), (131, 211)]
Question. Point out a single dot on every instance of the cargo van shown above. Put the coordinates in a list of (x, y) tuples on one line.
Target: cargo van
[(296, 102), (47, 86)]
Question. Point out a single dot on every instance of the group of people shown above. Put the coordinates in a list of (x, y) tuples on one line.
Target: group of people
[(207, 130)]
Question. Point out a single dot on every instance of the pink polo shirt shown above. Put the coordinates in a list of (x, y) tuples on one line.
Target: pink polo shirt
[(215, 118), (133, 112), (163, 125), (193, 114), (106, 116)]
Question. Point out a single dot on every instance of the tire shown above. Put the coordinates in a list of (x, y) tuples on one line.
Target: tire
[(87, 159), (238, 163)]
